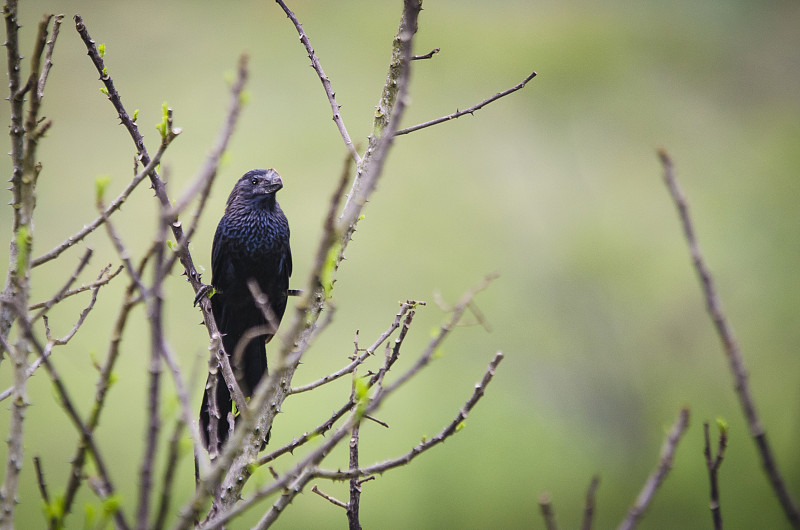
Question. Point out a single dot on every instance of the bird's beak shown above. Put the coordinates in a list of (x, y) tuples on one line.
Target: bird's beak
[(273, 183)]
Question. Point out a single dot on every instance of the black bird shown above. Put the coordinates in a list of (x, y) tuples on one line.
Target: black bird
[(251, 243)]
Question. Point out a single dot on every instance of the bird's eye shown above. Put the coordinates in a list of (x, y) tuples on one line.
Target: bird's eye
[(253, 181)]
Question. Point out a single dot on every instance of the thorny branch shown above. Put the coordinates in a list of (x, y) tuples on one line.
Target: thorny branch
[(471, 110), (730, 346), (15, 296), (326, 83)]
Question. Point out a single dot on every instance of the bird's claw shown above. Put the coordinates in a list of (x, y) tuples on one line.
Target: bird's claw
[(202, 293)]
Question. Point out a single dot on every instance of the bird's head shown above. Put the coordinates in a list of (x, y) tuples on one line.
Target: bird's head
[(256, 185)]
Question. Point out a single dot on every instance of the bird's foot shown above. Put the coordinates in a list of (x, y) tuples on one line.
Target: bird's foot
[(205, 290)]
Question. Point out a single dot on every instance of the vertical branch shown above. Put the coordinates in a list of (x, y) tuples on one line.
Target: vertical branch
[(157, 347), (15, 295), (588, 511), (713, 464), (355, 487), (731, 348)]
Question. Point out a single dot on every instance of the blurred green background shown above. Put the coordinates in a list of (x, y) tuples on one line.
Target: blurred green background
[(556, 187)]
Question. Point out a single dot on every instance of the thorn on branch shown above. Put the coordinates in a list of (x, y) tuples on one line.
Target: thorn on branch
[(426, 56)]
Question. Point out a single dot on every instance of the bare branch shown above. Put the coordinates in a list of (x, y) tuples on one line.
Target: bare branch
[(404, 308), (103, 385), (453, 427), (426, 56), (168, 480), (713, 464), (353, 506), (81, 318), (48, 56), (471, 110), (105, 276), (86, 434), (731, 348), (588, 512), (104, 215), (326, 83), (37, 464), (208, 173), (332, 500), (657, 477), (546, 507)]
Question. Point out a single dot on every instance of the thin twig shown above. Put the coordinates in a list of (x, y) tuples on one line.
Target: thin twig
[(426, 56), (293, 481), (326, 82), (112, 207), (81, 318), (404, 308), (154, 298), (72, 413), (453, 427), (731, 347), (353, 520), (102, 279), (471, 110), (168, 479), (332, 500), (206, 176), (659, 474), (548, 514), (713, 464), (48, 56), (37, 464), (60, 293), (103, 385), (588, 511)]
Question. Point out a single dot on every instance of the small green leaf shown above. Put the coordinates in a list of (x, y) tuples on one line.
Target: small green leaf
[(55, 508), (172, 245), (100, 185), (722, 425), (89, 515), (105, 71), (135, 115), (460, 426), (102, 50), (362, 216), (111, 504), (113, 377), (163, 127), (244, 97), (104, 90), (361, 388)]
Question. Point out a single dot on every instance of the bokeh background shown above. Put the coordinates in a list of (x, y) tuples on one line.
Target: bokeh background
[(557, 188)]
